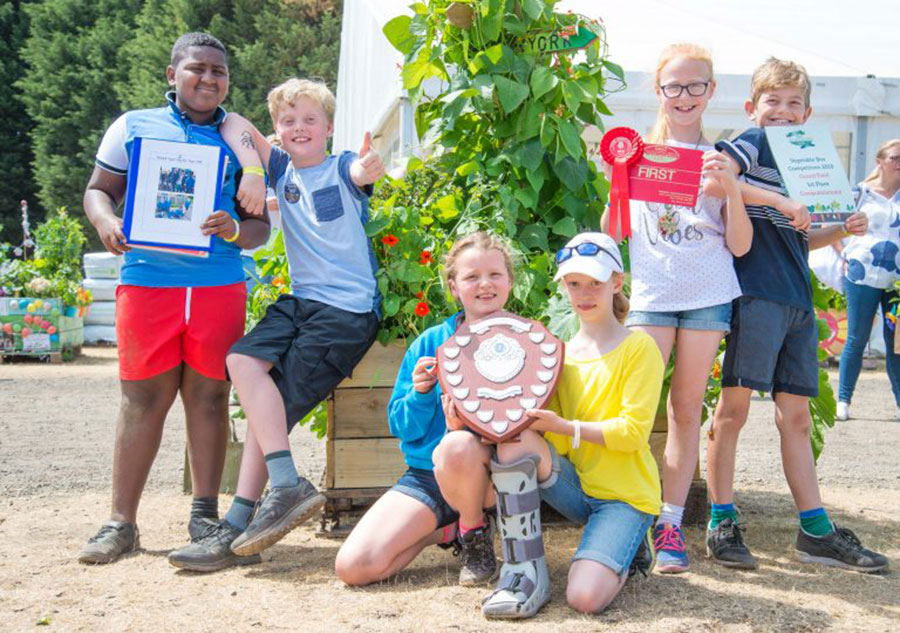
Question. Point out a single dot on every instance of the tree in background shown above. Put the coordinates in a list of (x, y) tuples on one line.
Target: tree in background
[(72, 54), (15, 159)]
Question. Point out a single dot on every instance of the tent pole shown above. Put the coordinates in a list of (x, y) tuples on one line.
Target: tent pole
[(862, 142)]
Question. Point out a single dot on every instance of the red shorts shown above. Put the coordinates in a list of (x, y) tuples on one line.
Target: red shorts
[(159, 328)]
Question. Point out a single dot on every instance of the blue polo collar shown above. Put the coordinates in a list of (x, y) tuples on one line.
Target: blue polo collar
[(217, 119)]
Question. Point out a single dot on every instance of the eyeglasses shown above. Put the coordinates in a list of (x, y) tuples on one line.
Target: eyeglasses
[(696, 89), (585, 249), (893, 159)]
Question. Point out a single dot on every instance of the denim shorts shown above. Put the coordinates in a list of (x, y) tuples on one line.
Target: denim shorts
[(613, 529), (772, 347), (716, 318), (421, 485)]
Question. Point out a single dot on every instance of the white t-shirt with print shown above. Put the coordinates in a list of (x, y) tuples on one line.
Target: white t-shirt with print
[(679, 260), (873, 259)]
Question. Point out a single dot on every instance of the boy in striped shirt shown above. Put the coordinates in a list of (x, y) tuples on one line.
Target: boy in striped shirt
[(773, 340)]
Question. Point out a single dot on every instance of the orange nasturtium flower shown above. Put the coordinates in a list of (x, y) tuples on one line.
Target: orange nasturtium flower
[(716, 370), (422, 309), (278, 281), (389, 240), (420, 295), (425, 258)]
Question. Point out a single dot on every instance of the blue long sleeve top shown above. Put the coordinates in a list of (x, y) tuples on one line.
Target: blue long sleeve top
[(417, 419)]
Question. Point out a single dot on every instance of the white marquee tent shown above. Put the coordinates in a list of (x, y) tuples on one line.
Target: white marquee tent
[(850, 49)]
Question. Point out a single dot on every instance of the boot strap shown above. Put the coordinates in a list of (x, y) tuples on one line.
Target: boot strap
[(521, 550), (516, 582), (511, 503)]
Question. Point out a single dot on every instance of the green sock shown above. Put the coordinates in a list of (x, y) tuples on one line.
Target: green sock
[(816, 522), (719, 512)]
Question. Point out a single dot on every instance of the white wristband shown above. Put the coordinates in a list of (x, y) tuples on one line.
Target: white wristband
[(576, 437)]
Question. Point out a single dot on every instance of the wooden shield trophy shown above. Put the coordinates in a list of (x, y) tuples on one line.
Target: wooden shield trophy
[(497, 368)]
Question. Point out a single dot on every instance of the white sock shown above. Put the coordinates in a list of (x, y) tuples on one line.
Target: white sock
[(670, 514)]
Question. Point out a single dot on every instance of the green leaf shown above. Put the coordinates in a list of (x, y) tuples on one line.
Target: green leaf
[(467, 168), (573, 95), (511, 93), (548, 134), (531, 154), (416, 71), (615, 69), (526, 195), (535, 178), (530, 121), (492, 19), (447, 207), (568, 133), (494, 53), (399, 34), (534, 236), (542, 81), (533, 8), (565, 227), (391, 305), (602, 108), (572, 173), (377, 225)]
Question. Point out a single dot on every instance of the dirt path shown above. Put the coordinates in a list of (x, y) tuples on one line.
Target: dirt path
[(56, 434)]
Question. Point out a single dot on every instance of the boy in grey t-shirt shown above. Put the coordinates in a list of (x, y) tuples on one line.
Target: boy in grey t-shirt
[(310, 339)]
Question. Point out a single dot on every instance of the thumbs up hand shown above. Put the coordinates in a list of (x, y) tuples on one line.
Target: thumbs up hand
[(368, 167)]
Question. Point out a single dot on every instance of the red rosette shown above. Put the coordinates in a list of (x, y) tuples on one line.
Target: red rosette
[(620, 147)]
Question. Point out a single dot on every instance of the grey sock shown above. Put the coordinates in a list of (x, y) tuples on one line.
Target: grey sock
[(205, 507), (282, 473), (239, 513)]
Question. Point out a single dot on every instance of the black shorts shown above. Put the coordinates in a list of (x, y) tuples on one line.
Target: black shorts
[(312, 347), (772, 347)]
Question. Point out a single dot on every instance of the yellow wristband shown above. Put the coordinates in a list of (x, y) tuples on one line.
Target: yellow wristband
[(237, 232), (255, 169)]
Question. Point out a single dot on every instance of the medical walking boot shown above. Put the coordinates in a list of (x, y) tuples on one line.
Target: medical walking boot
[(524, 584)]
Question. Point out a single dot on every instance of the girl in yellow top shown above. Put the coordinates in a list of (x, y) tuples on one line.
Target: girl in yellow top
[(595, 464)]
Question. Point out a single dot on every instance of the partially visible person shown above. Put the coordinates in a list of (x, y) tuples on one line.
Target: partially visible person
[(309, 340), (176, 315), (872, 268)]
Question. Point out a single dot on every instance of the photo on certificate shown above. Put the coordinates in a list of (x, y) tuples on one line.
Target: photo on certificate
[(172, 189)]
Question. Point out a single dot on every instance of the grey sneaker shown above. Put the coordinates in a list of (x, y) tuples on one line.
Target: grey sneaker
[(842, 548), (211, 550), (476, 553), (114, 539), (725, 545), (281, 511), (198, 526)]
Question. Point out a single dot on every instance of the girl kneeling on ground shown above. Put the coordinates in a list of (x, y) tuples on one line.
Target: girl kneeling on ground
[(594, 464), (417, 512)]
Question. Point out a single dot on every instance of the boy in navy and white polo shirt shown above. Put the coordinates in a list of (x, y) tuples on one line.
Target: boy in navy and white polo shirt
[(310, 339), (773, 340), (176, 315)]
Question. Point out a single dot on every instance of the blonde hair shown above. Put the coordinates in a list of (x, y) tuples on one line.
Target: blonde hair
[(881, 154), (274, 140), (481, 240), (777, 73), (621, 305), (660, 131), (287, 94)]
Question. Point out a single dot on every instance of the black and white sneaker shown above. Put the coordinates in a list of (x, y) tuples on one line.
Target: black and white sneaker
[(725, 544), (841, 548)]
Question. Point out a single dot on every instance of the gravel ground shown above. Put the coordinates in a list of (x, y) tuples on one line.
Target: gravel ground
[(56, 437)]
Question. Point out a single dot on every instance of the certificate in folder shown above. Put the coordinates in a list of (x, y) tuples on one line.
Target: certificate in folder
[(172, 189)]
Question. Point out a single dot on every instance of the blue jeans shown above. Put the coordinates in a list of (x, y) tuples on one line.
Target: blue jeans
[(613, 529), (862, 304)]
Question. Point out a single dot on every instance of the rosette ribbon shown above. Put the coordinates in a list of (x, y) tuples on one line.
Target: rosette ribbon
[(620, 147)]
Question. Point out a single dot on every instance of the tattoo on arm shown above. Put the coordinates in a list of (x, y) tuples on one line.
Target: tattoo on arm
[(247, 140)]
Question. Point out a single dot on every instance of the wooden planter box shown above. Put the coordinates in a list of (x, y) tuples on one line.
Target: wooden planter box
[(363, 459), (38, 327)]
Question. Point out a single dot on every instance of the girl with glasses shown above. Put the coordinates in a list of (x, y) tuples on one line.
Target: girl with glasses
[(683, 279)]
